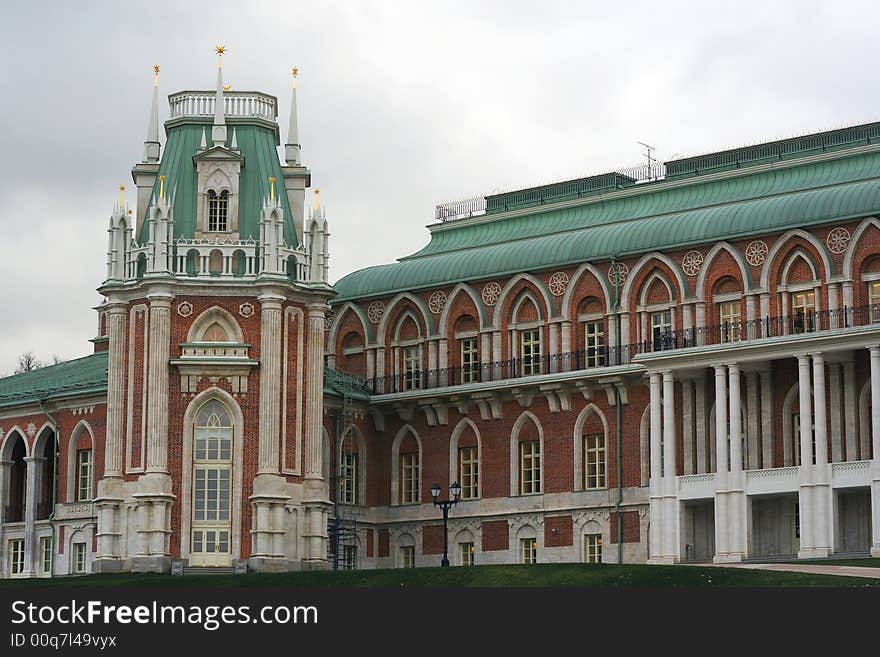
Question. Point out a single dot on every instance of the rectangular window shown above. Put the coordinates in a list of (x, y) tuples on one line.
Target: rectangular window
[(594, 461), (83, 475), (530, 467), (348, 479), (796, 437), (595, 343), (466, 554), (528, 550), (409, 475), (407, 556), (412, 367), (217, 211), (874, 301), (593, 548), (16, 556), (79, 557), (729, 314), (470, 363), (46, 555), (661, 330), (469, 472), (531, 351), (803, 312)]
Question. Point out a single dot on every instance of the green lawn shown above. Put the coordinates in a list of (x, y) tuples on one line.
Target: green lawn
[(549, 575)]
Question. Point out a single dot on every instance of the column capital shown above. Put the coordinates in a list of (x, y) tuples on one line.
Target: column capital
[(270, 301), (803, 360), (316, 308), (874, 350), (733, 367), (115, 307), (720, 370), (654, 376), (160, 298), (34, 459), (818, 357)]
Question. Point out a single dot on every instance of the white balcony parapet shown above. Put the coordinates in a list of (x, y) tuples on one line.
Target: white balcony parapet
[(242, 104), (851, 473), (772, 480), (696, 485)]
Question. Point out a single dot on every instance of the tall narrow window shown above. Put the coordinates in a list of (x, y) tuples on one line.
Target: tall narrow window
[(803, 311), (412, 367), (595, 343), (528, 550), (407, 556), (729, 314), (348, 481), (594, 461), (470, 364), (874, 301), (531, 351), (16, 556), (469, 473), (79, 557), (593, 548), (83, 475), (466, 554), (530, 467), (217, 211), (46, 555), (661, 330), (409, 476), (796, 437)]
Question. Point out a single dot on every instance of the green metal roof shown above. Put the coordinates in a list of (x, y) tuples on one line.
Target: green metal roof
[(337, 383), (256, 145), (649, 217), (87, 374)]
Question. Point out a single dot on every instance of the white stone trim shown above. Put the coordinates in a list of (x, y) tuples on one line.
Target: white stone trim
[(295, 313), (515, 466), (454, 472)]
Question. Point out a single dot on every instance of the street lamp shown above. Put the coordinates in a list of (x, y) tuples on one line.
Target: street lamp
[(455, 493)]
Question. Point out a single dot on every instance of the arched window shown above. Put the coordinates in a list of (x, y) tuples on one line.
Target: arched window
[(218, 211), (215, 333), (212, 485)]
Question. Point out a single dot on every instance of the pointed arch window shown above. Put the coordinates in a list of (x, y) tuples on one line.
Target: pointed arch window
[(215, 333), (218, 211)]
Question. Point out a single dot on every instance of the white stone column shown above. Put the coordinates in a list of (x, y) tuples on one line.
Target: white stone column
[(835, 411), (736, 496), (751, 317), (700, 312), (157, 384), (31, 502), (656, 475), (766, 419), (764, 331), (833, 306), (270, 382), (722, 520), (807, 517), (670, 520), (822, 472), (553, 348), (702, 429), (687, 425), (752, 421), (875, 440), (623, 347)]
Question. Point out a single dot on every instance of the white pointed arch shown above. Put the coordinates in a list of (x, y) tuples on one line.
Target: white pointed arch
[(578, 437), (215, 315), (746, 278), (8, 441), (793, 256), (568, 297), (189, 420), (382, 328), (854, 244), (405, 430), (644, 262), (657, 275), (511, 284), (81, 426), (42, 437), (461, 288), (521, 298), (459, 429), (783, 240), (398, 324), (347, 307), (525, 416)]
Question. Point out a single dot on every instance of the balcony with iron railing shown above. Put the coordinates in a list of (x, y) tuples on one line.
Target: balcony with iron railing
[(599, 359)]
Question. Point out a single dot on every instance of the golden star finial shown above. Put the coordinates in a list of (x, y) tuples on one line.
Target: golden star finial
[(295, 71), (227, 87), (220, 49), (156, 69), (317, 194), (272, 187)]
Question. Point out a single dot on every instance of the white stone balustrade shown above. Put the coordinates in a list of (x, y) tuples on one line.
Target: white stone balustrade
[(851, 473), (696, 486), (245, 104), (772, 480)]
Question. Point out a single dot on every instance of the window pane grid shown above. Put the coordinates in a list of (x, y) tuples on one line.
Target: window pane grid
[(874, 301), (46, 554), (79, 557), (593, 548), (531, 352), (594, 461), (803, 309), (412, 367), (466, 554), (409, 466), (470, 365), (528, 550), (469, 472), (16, 556), (661, 330), (84, 475), (348, 480), (595, 343), (407, 556), (530, 467), (729, 314)]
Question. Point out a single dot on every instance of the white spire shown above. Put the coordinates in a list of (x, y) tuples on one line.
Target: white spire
[(218, 132), (151, 145), (234, 144), (204, 144), (292, 148)]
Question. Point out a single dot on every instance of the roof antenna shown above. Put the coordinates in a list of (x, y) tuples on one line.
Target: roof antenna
[(649, 158)]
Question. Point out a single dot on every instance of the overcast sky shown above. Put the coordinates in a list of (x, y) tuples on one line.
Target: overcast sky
[(402, 105)]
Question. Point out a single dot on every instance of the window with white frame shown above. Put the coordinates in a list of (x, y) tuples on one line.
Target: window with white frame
[(409, 477), (594, 461), (796, 438), (729, 316), (469, 472), (874, 301), (661, 330), (530, 350), (83, 475), (594, 338), (466, 554), (16, 556), (528, 550), (530, 467), (412, 367), (803, 310), (593, 548), (218, 205), (470, 361), (348, 478), (79, 557), (46, 555), (407, 556)]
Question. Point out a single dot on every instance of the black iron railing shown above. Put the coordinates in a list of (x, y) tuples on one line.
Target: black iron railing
[(600, 357)]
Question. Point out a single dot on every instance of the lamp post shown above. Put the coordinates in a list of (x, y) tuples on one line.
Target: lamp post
[(455, 492)]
